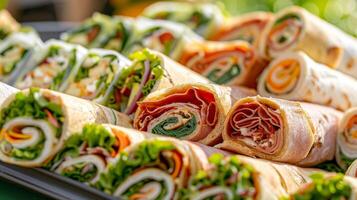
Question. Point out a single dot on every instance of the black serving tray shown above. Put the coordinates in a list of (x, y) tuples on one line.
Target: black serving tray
[(50, 184)]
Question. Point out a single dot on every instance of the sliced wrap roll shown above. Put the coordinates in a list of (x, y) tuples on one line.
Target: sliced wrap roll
[(8, 24), (15, 53), (88, 153), (327, 186), (194, 112), (53, 68), (149, 72), (94, 32), (6, 91), (239, 177), (200, 17), (117, 40), (247, 27), (229, 63), (295, 76), (34, 124), (96, 75), (295, 29), (279, 130), (346, 151), (163, 36), (153, 169)]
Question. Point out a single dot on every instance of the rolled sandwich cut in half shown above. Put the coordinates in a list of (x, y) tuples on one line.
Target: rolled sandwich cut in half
[(200, 17), (295, 76), (93, 33), (88, 153), (156, 168), (279, 130), (346, 151), (34, 124), (248, 27), (295, 29), (15, 53), (194, 112), (229, 63), (53, 67), (150, 71), (96, 75)]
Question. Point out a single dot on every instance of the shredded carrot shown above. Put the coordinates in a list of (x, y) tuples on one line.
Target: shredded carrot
[(122, 139), (290, 68), (178, 164), (14, 137), (137, 196)]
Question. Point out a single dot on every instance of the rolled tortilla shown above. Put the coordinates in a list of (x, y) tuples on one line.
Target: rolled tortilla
[(229, 63), (200, 17), (15, 53), (93, 33), (53, 68), (194, 112), (352, 169), (34, 124), (346, 151), (8, 24), (248, 27), (295, 76), (96, 75), (279, 130), (149, 72), (156, 167), (295, 29), (235, 177), (118, 39), (87, 154), (327, 186), (6, 91), (164, 36)]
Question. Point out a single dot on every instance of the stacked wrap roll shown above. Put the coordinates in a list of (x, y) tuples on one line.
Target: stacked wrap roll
[(194, 112), (248, 27), (229, 63), (53, 67), (200, 17), (150, 71), (274, 129), (87, 154), (96, 75), (15, 53), (346, 151), (35, 122), (295, 29), (156, 167), (295, 76)]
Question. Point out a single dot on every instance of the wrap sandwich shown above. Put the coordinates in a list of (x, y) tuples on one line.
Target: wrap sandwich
[(8, 24), (149, 72), (295, 76), (279, 130), (34, 124), (96, 75), (194, 112)]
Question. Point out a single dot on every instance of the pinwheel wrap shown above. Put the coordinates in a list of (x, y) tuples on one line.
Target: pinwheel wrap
[(295, 76), (194, 112), (346, 151), (53, 67), (96, 75), (229, 63), (295, 29), (200, 17), (87, 154), (93, 33), (15, 53), (248, 27), (166, 37), (279, 130), (149, 72), (35, 123), (155, 168)]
